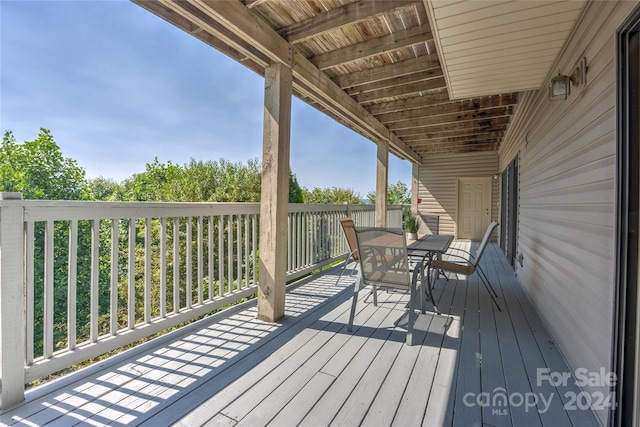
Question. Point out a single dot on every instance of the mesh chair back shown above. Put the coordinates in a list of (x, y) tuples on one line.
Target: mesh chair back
[(383, 257), (349, 233), (483, 244)]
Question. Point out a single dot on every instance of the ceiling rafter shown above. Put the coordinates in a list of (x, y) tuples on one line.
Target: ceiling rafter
[(377, 46), (399, 81), (480, 137), (409, 89), (452, 118), (477, 104), (389, 71), (349, 14), (481, 123), (419, 101), (472, 131)]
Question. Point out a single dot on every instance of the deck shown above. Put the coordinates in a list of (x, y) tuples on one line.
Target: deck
[(472, 366)]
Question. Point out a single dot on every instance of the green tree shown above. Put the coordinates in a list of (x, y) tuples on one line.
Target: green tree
[(39, 170), (334, 195), (295, 191), (103, 189), (397, 194)]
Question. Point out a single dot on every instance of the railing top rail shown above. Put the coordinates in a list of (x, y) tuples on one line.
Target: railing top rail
[(60, 210), (41, 210)]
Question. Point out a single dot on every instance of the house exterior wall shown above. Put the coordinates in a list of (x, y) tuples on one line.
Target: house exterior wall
[(438, 181), (566, 230)]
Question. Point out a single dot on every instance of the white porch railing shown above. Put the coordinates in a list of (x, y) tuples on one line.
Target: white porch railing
[(78, 279)]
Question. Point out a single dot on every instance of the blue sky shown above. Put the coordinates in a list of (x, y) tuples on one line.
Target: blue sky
[(118, 86)]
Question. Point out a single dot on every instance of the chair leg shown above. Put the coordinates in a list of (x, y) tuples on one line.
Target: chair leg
[(487, 285), (412, 314), (344, 267), (487, 279), (356, 289)]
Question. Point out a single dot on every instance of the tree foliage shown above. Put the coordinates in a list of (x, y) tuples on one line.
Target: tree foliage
[(332, 195), (397, 194), (38, 169), (199, 181)]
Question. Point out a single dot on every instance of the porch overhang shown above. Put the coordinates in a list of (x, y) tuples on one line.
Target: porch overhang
[(391, 70)]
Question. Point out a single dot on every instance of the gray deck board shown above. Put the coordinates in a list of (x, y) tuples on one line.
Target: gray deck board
[(308, 370)]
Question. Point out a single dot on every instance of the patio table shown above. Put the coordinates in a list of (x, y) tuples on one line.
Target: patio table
[(429, 247)]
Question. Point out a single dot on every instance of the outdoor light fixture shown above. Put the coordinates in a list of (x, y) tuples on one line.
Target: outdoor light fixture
[(560, 85)]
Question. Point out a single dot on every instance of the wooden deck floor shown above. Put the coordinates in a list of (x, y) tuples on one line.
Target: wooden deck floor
[(308, 370)]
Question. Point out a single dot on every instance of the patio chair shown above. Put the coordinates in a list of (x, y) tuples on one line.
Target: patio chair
[(348, 226), (349, 233), (469, 263), (382, 253)]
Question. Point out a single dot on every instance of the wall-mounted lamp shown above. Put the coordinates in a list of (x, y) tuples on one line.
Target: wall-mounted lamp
[(495, 176), (560, 85)]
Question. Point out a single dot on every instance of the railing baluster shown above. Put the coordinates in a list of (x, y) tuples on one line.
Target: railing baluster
[(131, 269), (289, 234), (163, 267), (239, 250), (200, 260), (147, 270), (246, 247), (189, 285), (211, 258), (113, 300), (49, 295), (221, 291), (95, 271), (29, 248), (230, 252), (254, 224), (72, 284), (176, 265)]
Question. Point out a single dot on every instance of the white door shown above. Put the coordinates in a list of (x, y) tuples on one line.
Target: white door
[(474, 207)]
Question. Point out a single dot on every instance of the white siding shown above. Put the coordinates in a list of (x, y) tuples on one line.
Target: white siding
[(567, 195), (498, 46), (438, 184)]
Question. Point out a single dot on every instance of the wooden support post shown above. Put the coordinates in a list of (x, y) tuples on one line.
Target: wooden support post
[(382, 176), (274, 202), (12, 304), (415, 171)]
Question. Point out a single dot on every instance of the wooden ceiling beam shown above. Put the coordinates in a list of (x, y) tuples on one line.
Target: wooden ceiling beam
[(350, 14), (409, 103), (411, 139), (445, 127), (402, 80), (451, 118), (377, 46), (389, 71), (492, 136), (460, 148), (248, 29), (476, 104), (408, 89)]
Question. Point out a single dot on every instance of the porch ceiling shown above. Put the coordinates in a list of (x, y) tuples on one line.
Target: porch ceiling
[(498, 45), (374, 66)]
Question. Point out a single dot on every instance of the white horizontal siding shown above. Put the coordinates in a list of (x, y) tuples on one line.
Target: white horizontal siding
[(494, 37), (567, 195), (437, 185)]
